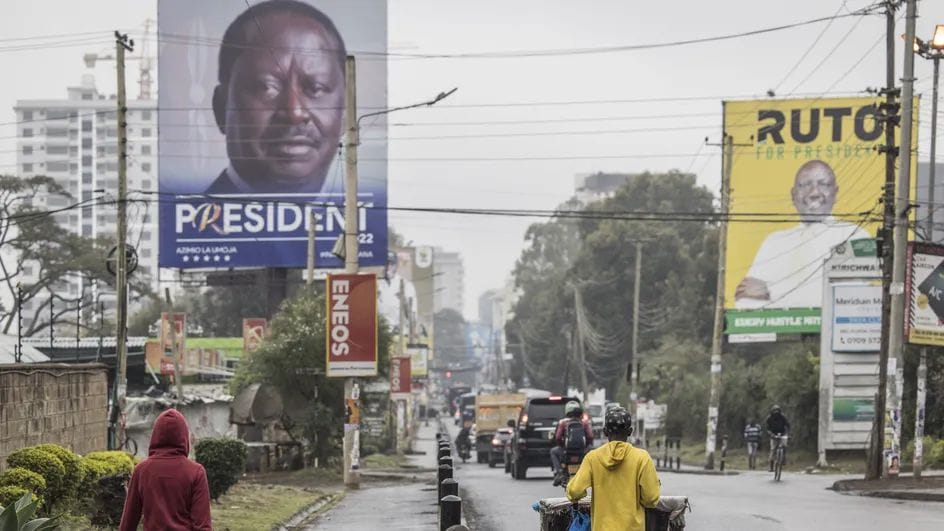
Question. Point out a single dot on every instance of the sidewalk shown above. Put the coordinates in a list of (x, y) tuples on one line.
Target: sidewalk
[(929, 488), (392, 499)]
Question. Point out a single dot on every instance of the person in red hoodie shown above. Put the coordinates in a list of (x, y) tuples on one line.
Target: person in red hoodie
[(167, 489)]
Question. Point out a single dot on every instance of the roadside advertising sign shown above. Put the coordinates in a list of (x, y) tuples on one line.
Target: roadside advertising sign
[(351, 331), (805, 179), (924, 287), (251, 99)]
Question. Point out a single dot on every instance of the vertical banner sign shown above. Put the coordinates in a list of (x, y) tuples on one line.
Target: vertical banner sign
[(924, 287), (805, 179), (351, 331), (254, 330), (400, 377), (251, 99), (180, 329), (419, 357), (409, 275)]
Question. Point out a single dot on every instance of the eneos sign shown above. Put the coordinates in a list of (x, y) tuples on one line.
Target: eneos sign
[(351, 331)]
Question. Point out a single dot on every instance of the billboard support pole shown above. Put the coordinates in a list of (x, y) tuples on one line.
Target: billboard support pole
[(896, 343), (714, 397), (122, 44), (877, 440), (352, 478), (311, 248), (634, 372), (178, 376)]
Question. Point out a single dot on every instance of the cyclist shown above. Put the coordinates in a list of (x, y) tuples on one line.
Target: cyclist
[(623, 477), (752, 435), (574, 434), (777, 425)]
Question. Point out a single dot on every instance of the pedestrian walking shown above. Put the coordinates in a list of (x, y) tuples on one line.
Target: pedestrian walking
[(168, 490)]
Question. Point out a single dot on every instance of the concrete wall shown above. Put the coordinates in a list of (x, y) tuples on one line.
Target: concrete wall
[(205, 419), (53, 403)]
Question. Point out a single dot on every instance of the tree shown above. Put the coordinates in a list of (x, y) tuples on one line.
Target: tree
[(32, 239), (292, 359)]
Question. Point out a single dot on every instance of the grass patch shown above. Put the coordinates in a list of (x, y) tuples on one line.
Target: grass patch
[(380, 460), (253, 506)]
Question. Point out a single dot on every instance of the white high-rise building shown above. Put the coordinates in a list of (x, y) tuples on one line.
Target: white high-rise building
[(449, 282), (75, 141)]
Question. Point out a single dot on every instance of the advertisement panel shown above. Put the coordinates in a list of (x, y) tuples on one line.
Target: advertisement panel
[(805, 178), (924, 287), (251, 101), (400, 373), (179, 333), (254, 331), (857, 317), (406, 293), (351, 331), (419, 358)]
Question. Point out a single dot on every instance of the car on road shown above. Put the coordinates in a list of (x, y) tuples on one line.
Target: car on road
[(500, 442), (534, 433)]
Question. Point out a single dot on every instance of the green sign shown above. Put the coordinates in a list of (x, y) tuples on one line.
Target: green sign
[(864, 247), (780, 321), (853, 409)]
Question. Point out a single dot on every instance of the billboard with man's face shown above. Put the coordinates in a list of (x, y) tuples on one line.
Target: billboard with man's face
[(806, 177), (251, 117)]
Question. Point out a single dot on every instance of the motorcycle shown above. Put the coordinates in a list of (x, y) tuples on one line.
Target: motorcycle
[(464, 447), (570, 466)]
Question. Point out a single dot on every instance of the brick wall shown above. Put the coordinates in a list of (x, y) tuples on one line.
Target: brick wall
[(53, 403)]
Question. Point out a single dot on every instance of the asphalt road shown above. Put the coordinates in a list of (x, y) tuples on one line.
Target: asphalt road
[(492, 500)]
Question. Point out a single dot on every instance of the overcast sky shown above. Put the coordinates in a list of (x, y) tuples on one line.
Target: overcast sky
[(607, 135)]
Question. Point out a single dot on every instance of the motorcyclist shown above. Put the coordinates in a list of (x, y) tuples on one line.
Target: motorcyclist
[(777, 425), (623, 478), (573, 414), (463, 439)]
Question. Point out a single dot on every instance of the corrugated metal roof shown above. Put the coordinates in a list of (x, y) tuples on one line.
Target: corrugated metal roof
[(8, 350)]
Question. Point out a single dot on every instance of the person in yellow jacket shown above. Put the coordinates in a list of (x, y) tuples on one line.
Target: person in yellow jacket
[(623, 479)]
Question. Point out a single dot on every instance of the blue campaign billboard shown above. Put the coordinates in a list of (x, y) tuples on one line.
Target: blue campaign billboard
[(251, 119)]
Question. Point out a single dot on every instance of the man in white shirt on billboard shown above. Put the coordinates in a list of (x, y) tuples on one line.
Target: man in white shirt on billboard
[(389, 295), (787, 271)]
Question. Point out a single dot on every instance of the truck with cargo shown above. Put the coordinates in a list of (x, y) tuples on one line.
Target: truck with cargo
[(493, 411)]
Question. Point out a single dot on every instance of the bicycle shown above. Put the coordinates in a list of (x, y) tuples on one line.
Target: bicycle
[(780, 455)]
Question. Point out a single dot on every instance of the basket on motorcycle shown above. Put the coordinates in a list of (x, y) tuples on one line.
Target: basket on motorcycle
[(668, 515)]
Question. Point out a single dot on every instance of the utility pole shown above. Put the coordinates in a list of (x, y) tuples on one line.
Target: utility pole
[(352, 477), (175, 352), (896, 343), (311, 248), (122, 44), (578, 340), (890, 113), (714, 397), (634, 373)]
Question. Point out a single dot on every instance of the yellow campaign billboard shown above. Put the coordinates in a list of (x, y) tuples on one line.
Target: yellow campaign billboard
[(806, 177)]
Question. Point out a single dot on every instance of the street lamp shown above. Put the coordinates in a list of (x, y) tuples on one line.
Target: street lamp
[(934, 51)]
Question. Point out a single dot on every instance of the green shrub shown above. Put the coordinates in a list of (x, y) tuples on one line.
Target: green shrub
[(21, 477), (73, 476), (116, 461), (224, 461), (17, 515), (43, 463), (109, 501), (9, 494), (92, 471)]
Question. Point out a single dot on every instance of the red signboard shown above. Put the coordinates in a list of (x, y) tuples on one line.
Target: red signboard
[(351, 336), (400, 376), (254, 330)]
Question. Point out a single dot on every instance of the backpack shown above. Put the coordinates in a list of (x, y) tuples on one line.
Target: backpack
[(575, 438)]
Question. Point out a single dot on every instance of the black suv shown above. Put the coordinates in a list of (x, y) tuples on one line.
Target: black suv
[(534, 434)]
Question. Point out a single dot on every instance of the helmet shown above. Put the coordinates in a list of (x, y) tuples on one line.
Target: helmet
[(775, 409), (572, 408), (618, 422)]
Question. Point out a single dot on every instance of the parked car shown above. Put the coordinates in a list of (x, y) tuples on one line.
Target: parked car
[(500, 441), (534, 434)]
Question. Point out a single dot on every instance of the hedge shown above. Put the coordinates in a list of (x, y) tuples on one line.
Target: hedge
[(9, 495), (224, 460), (27, 479), (73, 476), (116, 461), (43, 463)]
